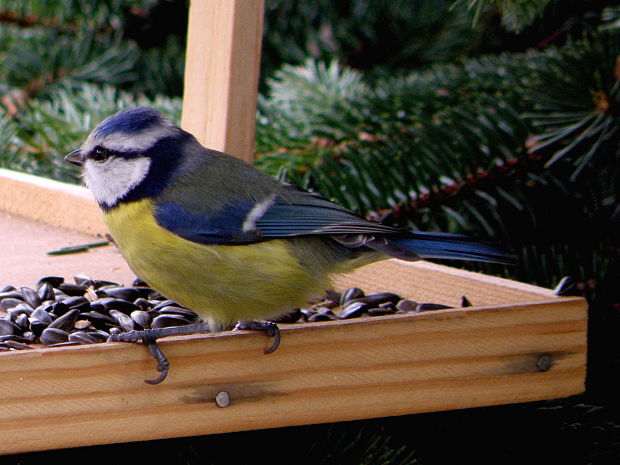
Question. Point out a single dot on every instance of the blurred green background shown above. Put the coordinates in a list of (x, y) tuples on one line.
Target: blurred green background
[(497, 118)]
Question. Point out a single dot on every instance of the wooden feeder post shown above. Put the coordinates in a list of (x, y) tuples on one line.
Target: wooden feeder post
[(221, 74), (516, 343)]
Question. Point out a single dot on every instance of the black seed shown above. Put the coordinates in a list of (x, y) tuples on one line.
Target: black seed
[(350, 294), (164, 321), (124, 293), (99, 320), (379, 311), (66, 321), (99, 283), (465, 302), (381, 297), (83, 337), (37, 326), (41, 315), (427, 306), (79, 302), (14, 294), (59, 308), (307, 313), (17, 345), (72, 289), (354, 309), (31, 297), (165, 303), (319, 317), (83, 280), (565, 287), (111, 303), (10, 302), (139, 282), (53, 336), (123, 320), (142, 303), (46, 292), (155, 295), (59, 295), (16, 337), (53, 281), (406, 306), (20, 309), (22, 321), (171, 309), (101, 335), (141, 318), (115, 330), (8, 328)]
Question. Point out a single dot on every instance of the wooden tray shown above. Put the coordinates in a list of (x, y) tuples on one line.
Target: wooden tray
[(517, 343)]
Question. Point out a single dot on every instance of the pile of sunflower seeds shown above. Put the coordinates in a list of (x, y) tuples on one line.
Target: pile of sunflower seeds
[(89, 311), (84, 312), (354, 302)]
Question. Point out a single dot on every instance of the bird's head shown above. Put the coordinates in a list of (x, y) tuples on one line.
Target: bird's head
[(132, 153)]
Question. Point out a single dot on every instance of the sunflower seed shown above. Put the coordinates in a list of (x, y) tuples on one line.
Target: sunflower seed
[(141, 318), (406, 305), (427, 306), (354, 309), (46, 292), (17, 345), (66, 321), (31, 297), (72, 289), (123, 320), (53, 281), (350, 294), (10, 302), (8, 328), (164, 321), (83, 337), (51, 336)]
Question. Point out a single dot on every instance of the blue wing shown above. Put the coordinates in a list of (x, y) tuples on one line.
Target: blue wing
[(301, 214)]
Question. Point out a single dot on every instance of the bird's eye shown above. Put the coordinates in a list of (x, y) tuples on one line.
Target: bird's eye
[(100, 154)]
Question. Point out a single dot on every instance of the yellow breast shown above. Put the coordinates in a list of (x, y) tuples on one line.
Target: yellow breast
[(222, 283)]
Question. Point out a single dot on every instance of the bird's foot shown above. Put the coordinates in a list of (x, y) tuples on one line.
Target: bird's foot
[(269, 327), (149, 338)]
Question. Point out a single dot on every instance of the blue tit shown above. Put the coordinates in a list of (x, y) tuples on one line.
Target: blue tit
[(220, 237)]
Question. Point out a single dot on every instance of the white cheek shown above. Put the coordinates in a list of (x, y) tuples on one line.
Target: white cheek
[(113, 179)]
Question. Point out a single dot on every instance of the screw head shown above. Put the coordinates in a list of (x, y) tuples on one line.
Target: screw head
[(222, 400), (544, 362)]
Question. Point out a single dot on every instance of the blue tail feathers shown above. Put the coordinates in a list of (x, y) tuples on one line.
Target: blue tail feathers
[(452, 247)]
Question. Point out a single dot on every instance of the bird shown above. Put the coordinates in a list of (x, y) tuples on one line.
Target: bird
[(221, 237)]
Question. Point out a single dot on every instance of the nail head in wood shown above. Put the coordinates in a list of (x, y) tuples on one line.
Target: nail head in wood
[(222, 399)]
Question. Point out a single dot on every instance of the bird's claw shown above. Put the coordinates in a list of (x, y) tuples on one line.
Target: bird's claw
[(268, 327), (149, 340)]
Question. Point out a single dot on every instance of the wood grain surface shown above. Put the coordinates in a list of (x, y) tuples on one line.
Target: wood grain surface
[(322, 372)]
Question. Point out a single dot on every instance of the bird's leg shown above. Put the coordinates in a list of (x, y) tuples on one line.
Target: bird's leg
[(149, 338), (269, 327), (163, 365)]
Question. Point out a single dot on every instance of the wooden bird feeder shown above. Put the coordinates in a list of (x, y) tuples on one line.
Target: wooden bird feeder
[(517, 343)]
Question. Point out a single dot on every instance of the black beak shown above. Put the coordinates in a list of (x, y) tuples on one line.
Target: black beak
[(75, 157)]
